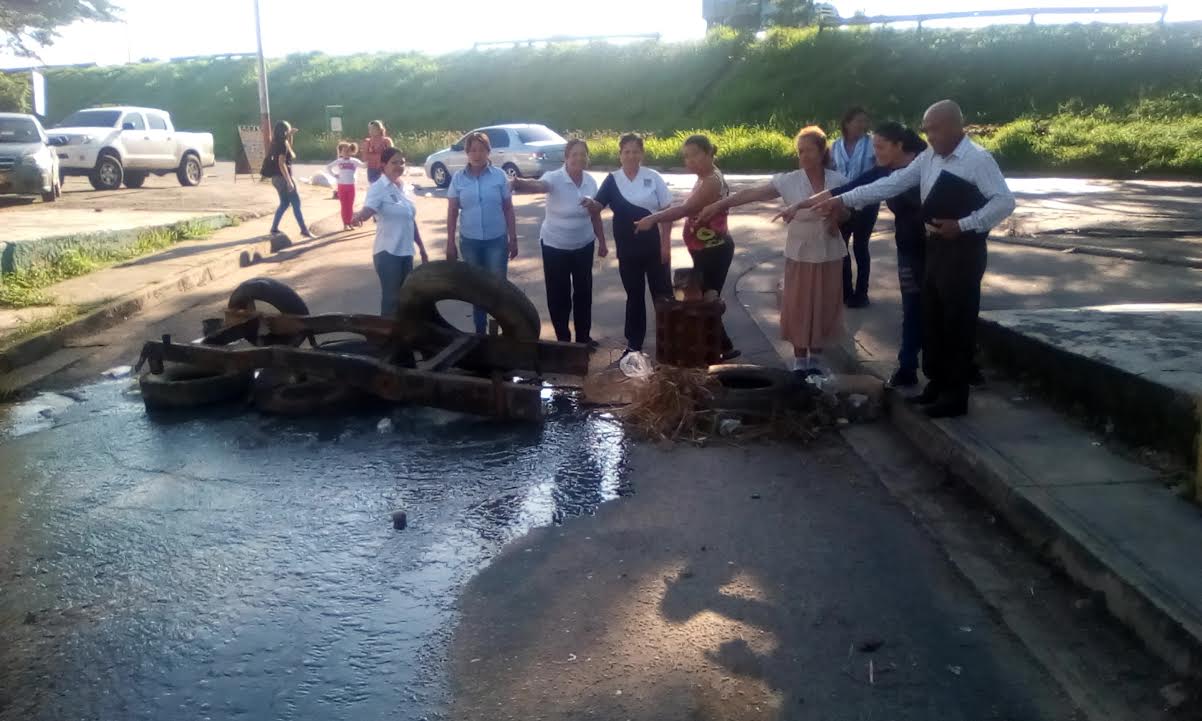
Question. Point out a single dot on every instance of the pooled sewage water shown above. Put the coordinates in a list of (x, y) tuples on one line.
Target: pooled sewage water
[(229, 565)]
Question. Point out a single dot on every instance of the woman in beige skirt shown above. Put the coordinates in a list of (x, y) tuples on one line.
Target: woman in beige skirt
[(811, 312)]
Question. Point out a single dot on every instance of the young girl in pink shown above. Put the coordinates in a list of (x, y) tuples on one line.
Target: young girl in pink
[(344, 169)]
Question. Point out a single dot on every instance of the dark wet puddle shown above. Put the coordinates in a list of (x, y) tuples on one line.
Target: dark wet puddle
[(235, 566)]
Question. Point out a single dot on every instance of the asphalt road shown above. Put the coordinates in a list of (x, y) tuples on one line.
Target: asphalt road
[(236, 567)]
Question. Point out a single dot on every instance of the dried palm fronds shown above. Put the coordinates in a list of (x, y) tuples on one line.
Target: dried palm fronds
[(671, 405)]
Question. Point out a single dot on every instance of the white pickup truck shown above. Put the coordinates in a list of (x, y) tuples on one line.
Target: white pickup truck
[(112, 146)]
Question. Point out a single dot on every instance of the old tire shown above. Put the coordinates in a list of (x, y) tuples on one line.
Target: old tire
[(450, 280), (272, 292), (281, 393), (190, 171), (135, 179), (184, 386), (108, 173), (745, 388)]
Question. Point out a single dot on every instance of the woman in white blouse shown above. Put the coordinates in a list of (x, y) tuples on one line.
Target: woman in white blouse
[(811, 312), (390, 202), (570, 235)]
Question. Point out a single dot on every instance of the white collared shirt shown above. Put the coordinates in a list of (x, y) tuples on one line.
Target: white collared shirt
[(968, 161), (567, 226), (648, 189), (809, 239), (396, 214)]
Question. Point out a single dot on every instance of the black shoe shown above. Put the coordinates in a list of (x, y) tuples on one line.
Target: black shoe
[(947, 407), (903, 378), (729, 355), (858, 301), (592, 344), (929, 395)]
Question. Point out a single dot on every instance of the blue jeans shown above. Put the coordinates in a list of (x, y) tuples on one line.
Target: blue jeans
[(491, 255), (287, 198), (392, 270), (909, 275)]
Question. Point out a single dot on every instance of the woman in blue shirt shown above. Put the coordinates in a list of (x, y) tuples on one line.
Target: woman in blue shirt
[(480, 215), (854, 158)]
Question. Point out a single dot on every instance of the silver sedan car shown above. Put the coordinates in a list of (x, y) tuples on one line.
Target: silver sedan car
[(28, 163), (521, 150)]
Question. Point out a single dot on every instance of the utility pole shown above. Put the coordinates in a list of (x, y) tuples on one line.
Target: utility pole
[(264, 100)]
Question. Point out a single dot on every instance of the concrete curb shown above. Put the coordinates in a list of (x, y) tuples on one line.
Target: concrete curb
[(1120, 253), (118, 311), (1141, 411), (22, 254), (1161, 621)]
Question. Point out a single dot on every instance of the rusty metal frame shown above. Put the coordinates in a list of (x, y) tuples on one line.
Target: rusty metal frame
[(439, 380)]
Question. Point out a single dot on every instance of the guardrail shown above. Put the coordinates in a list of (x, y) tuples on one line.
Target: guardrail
[(566, 39), (1160, 10)]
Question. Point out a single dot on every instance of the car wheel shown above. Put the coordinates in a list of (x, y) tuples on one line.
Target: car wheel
[(190, 171), (108, 173), (53, 193), (135, 179), (440, 176), (511, 170)]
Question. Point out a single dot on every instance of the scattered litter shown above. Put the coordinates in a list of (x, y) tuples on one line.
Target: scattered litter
[(1095, 444), (1071, 249), (842, 421), (618, 692), (475, 660), (728, 426), (966, 629), (384, 426), (636, 365), (118, 372), (956, 669)]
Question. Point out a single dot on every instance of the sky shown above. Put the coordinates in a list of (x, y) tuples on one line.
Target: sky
[(173, 28)]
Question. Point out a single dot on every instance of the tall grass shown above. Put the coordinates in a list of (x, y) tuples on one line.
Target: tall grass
[(318, 147), (1101, 143)]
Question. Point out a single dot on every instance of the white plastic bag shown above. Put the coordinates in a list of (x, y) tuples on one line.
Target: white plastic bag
[(636, 365)]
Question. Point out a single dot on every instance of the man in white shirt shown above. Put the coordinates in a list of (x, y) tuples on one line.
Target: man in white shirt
[(956, 255)]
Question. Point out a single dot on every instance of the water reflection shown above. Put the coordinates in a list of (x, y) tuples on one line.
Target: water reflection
[(232, 565)]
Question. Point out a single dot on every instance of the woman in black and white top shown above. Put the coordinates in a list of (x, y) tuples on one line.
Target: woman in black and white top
[(633, 192)]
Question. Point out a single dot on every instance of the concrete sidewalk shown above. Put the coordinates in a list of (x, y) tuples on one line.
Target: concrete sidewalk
[(104, 298), (1114, 525)]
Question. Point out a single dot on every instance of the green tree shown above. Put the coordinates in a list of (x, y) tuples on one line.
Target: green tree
[(14, 92), (793, 13), (28, 23)]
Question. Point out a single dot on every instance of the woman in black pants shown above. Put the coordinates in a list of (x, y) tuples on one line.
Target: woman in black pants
[(709, 240), (644, 259)]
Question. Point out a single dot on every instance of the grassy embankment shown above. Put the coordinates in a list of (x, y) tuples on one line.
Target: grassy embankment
[(1090, 99)]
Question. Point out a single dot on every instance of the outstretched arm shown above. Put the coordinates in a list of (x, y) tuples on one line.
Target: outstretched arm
[(758, 194), (708, 192), (529, 185)]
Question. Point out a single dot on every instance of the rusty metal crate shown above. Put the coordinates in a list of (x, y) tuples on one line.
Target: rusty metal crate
[(688, 334)]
